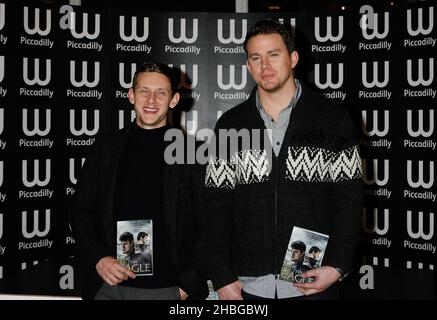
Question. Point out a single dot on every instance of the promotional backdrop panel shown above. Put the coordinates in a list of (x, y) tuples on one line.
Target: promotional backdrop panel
[(64, 76)]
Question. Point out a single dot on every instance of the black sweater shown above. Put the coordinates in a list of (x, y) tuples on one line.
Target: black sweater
[(254, 202), (140, 196)]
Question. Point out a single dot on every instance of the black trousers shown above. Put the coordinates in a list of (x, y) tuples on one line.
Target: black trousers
[(107, 292)]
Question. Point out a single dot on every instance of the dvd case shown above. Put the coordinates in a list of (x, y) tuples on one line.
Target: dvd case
[(305, 251), (135, 245)]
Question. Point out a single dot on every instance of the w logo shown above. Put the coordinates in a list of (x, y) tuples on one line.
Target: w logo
[(2, 15), (232, 37), (122, 117), (2, 68), (375, 128), (37, 28), (134, 35), (373, 172), (420, 230), (84, 81), (375, 32), (37, 79), (122, 75), (420, 29), (84, 32), (191, 125), (420, 130), (329, 35), (35, 232), (36, 128), (420, 176), (329, 75), (84, 129), (185, 76), (36, 181), (375, 81), (420, 72), (375, 228), (292, 23), (1, 225), (72, 168), (231, 84), (2, 120), (183, 34)]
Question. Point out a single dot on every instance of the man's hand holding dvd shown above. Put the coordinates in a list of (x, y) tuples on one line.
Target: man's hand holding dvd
[(303, 259), (112, 272)]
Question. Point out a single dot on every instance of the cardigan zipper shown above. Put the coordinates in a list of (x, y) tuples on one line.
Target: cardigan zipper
[(276, 214)]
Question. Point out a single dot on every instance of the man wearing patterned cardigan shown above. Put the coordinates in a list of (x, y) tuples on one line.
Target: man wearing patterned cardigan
[(312, 180)]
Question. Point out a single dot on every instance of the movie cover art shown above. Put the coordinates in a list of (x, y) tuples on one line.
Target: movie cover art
[(305, 251), (135, 245)]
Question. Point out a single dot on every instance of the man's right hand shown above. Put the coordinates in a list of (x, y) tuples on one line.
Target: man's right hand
[(113, 272), (231, 292)]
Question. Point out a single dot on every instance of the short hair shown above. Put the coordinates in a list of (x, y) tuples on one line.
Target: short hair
[(299, 245), (127, 236), (141, 234), (153, 66), (314, 249), (269, 26)]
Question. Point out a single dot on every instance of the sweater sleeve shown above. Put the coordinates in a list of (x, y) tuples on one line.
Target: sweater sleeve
[(345, 199), (190, 276), (220, 180), (83, 216)]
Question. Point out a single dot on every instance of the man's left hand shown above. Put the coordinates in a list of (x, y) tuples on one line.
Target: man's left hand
[(325, 277)]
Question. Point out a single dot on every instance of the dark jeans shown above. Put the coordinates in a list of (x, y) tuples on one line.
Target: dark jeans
[(332, 293)]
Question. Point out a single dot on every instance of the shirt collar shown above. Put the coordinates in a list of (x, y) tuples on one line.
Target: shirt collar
[(292, 102)]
